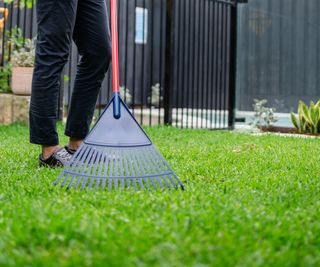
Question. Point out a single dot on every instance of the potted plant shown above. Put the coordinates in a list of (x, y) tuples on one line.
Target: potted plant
[(22, 61)]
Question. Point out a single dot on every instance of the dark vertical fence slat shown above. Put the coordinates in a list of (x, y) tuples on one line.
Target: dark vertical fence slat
[(233, 66), (151, 61), (189, 64), (192, 75), (162, 59), (170, 25)]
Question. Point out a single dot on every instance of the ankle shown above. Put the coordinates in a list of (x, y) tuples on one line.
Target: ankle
[(47, 151), (74, 144)]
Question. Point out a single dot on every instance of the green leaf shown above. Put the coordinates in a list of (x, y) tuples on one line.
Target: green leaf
[(295, 121)]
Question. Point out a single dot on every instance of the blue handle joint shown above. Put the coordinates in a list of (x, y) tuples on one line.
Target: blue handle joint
[(116, 106)]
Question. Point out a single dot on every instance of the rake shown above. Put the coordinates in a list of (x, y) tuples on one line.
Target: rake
[(117, 153)]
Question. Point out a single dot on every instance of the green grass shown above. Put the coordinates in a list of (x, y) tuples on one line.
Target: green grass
[(249, 201)]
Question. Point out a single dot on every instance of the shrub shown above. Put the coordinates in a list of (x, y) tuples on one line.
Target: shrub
[(263, 116), (24, 56), (5, 76), (308, 119)]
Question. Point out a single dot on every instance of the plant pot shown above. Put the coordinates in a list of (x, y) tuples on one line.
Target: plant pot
[(21, 82)]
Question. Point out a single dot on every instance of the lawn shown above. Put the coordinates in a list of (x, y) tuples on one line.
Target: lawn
[(249, 201)]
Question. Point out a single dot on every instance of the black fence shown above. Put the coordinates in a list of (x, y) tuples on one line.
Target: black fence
[(279, 59), (177, 60)]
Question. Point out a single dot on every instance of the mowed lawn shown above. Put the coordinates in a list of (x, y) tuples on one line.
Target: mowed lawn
[(249, 201)]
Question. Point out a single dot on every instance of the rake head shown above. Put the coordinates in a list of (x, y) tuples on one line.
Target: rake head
[(95, 167), (118, 154)]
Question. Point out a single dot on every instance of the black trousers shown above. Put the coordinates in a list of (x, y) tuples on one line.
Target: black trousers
[(60, 21)]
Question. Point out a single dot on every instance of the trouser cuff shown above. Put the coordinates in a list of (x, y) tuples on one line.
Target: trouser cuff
[(43, 130)]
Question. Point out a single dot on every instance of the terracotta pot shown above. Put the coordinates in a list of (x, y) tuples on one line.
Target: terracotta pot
[(21, 82)]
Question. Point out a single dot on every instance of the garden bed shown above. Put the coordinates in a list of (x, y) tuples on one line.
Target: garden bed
[(287, 131)]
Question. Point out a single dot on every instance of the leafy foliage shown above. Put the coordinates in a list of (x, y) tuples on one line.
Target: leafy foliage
[(23, 51), (263, 116), (5, 75), (22, 3), (24, 56), (308, 119), (126, 95), (155, 97)]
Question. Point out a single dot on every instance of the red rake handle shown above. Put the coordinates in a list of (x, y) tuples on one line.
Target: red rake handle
[(115, 59)]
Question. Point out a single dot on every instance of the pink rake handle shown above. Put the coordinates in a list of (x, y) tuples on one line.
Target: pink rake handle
[(115, 61)]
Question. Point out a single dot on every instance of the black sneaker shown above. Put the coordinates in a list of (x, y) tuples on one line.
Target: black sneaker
[(71, 151), (58, 159)]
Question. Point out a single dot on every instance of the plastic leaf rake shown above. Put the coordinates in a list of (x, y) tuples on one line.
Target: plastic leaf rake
[(117, 152)]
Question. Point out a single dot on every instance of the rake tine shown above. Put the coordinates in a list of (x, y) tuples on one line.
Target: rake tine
[(172, 182), (67, 176), (165, 180), (126, 170), (71, 182), (147, 183), (134, 182), (58, 179), (97, 184), (84, 157), (102, 160), (177, 179), (84, 182), (152, 163), (159, 182), (132, 173), (78, 182), (77, 156), (156, 152), (137, 171), (122, 185), (121, 169), (90, 164), (155, 169), (92, 180), (103, 185), (163, 161), (110, 156), (116, 170), (154, 183), (93, 163), (158, 160), (87, 161), (141, 170), (128, 183), (110, 184), (105, 169), (144, 161), (95, 167)]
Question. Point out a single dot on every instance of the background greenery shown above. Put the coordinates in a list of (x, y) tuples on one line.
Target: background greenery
[(249, 201)]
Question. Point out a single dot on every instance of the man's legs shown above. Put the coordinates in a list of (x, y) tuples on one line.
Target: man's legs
[(92, 37), (56, 20)]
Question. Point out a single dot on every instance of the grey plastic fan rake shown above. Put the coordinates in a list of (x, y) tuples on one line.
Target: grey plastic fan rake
[(117, 152)]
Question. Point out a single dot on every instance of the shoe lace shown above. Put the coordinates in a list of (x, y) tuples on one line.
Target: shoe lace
[(64, 154)]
